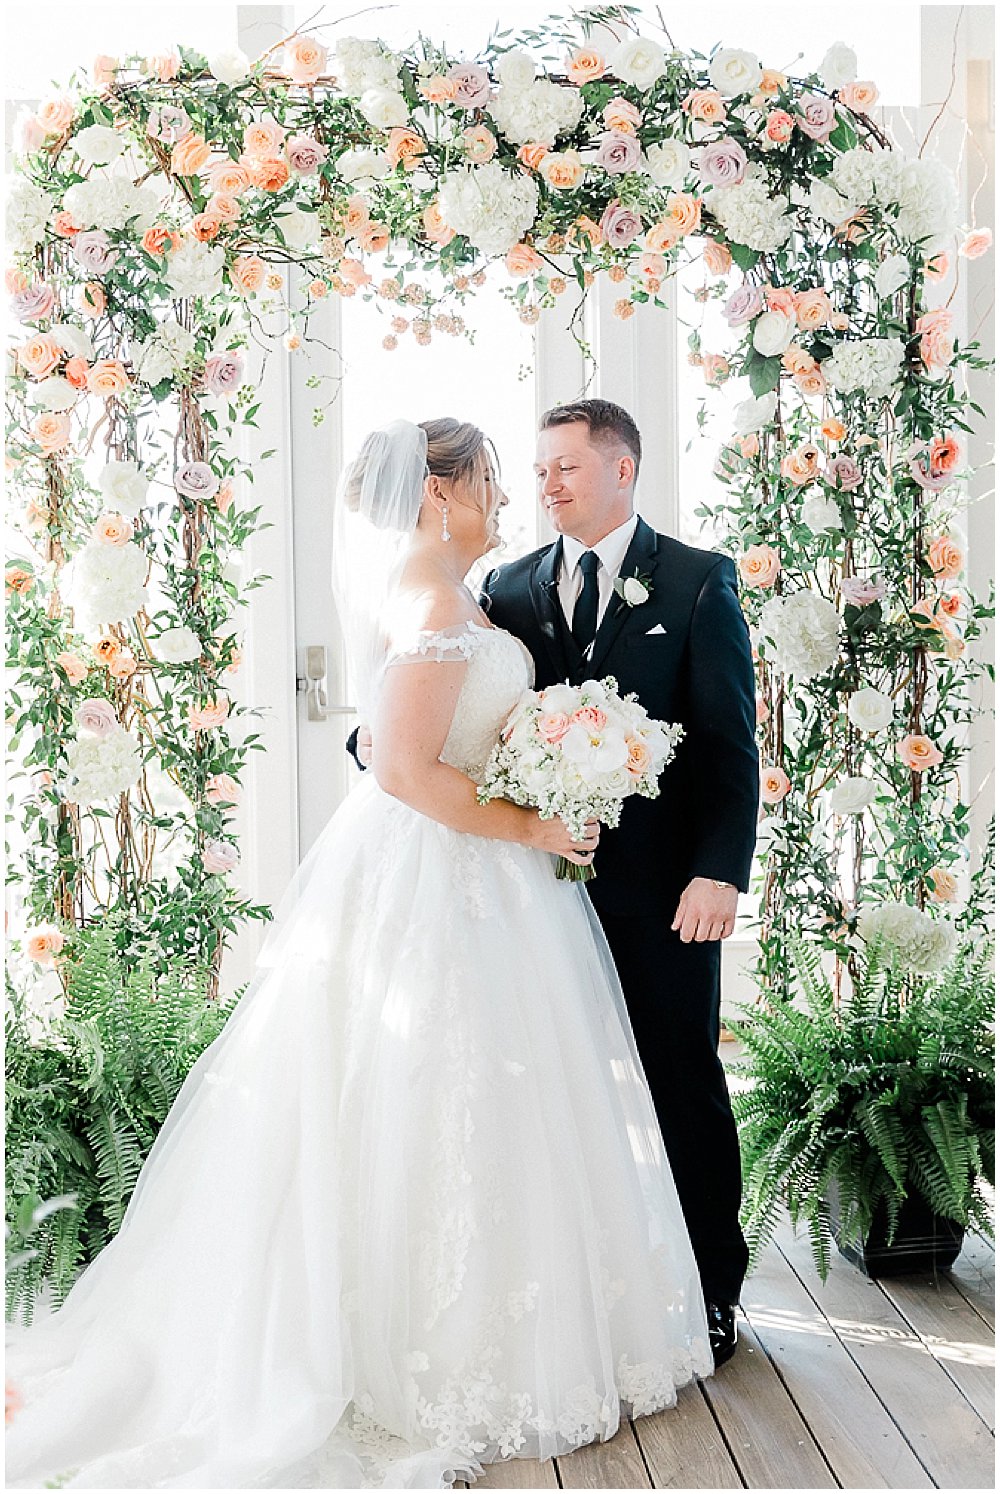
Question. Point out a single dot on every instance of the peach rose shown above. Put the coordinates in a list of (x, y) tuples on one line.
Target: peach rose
[(160, 239), (269, 173), (164, 66), (683, 212), (64, 225), (715, 368), (17, 579), (222, 788), (801, 466), (705, 104), (976, 243), (945, 556), (944, 455), (56, 115), (224, 495), (76, 372), (584, 65), (304, 59), (562, 170), (247, 273), (123, 665), (761, 710), (718, 259), (223, 206), (780, 298), (652, 264), (759, 566), (405, 145), (104, 70), (210, 715), (373, 238), (774, 785), (937, 346), (812, 308), (39, 355), (552, 726), (435, 228), (591, 718), (15, 281), (936, 268), (73, 667), (639, 756), (833, 429), (811, 383), (795, 359), (90, 299), (951, 604), (522, 261), (859, 96), (107, 378), (943, 884), (43, 943), (189, 155), (661, 237), (840, 321), (918, 753), (263, 137), (749, 446), (228, 177), (586, 228), (354, 273), (51, 430), (112, 529), (205, 226), (356, 214), (620, 115), (106, 649), (480, 144), (771, 82), (778, 126), (438, 89)]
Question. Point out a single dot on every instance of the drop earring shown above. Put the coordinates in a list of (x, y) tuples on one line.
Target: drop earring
[(444, 523)]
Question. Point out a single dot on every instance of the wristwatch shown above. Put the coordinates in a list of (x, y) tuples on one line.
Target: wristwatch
[(717, 883)]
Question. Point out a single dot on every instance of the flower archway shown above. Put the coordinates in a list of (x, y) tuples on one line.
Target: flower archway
[(156, 211)]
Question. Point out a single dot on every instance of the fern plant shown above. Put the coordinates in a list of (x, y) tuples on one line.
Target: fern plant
[(85, 1101), (883, 1094)]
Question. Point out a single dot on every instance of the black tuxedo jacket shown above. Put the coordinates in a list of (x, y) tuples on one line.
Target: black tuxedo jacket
[(697, 669)]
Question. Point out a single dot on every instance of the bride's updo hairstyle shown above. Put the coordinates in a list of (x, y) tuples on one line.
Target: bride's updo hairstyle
[(458, 451)]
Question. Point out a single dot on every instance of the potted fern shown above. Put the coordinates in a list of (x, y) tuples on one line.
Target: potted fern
[(870, 1116)]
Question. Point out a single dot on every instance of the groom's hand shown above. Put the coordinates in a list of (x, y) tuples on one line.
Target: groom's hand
[(705, 911)]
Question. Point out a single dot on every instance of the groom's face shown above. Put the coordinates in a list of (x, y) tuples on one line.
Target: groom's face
[(584, 486)]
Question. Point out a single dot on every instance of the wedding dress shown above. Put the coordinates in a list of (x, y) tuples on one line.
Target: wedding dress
[(411, 1210)]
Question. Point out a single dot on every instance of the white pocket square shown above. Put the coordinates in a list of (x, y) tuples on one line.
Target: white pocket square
[(658, 629)]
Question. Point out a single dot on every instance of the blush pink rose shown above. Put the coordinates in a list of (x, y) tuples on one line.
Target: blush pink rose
[(222, 788), (553, 726), (818, 116), (774, 785), (74, 668), (945, 556), (976, 243), (97, 716), (210, 715), (113, 529), (219, 856), (305, 155), (918, 753), (592, 718), (759, 566), (223, 373), (43, 943), (639, 756)]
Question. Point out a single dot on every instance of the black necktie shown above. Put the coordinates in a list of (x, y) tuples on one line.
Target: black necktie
[(584, 624)]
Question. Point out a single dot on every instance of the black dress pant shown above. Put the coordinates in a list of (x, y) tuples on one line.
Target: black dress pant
[(672, 991)]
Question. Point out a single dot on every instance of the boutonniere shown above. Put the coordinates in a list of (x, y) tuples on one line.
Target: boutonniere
[(634, 590)]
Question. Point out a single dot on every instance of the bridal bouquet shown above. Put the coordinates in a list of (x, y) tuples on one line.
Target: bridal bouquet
[(578, 751)]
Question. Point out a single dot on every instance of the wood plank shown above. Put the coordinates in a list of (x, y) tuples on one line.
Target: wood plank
[(974, 1274), (937, 1421), (605, 1465), (519, 1473), (684, 1448), (859, 1439), (771, 1444), (958, 1338)]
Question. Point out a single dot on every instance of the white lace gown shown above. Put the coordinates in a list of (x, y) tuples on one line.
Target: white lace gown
[(410, 1212)]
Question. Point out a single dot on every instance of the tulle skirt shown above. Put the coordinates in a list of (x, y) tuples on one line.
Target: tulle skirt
[(410, 1212)]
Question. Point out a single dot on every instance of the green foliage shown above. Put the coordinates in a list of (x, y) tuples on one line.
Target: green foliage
[(888, 1093), (85, 1101)]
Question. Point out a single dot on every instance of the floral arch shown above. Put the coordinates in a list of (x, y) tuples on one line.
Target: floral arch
[(155, 211)]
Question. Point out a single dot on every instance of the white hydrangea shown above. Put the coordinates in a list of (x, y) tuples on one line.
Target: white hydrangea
[(928, 203), (195, 269), (826, 202), (28, 210), (803, 631), (752, 213), (668, 162), (541, 112), (109, 199), (919, 942), (167, 353), (362, 64), (101, 768), (107, 583), (492, 208), (874, 364), (863, 175)]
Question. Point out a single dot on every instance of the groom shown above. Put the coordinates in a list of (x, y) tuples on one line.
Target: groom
[(668, 877)]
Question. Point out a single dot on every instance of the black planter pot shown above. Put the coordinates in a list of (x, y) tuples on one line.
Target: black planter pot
[(924, 1241)]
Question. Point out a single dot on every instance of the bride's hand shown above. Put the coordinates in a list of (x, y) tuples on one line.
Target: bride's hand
[(552, 835)]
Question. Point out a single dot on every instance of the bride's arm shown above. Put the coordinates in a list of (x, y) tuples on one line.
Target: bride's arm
[(416, 704)]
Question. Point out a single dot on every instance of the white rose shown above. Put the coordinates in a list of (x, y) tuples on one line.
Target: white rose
[(773, 332), (634, 592), (732, 71), (839, 66), (668, 162), (125, 486), (869, 710), (515, 70), (891, 274), (559, 698), (820, 512), (178, 646), (300, 229), (229, 67), (98, 144), (619, 783), (383, 108), (72, 340), (826, 202), (54, 393), (753, 414), (638, 61), (851, 795), (363, 166)]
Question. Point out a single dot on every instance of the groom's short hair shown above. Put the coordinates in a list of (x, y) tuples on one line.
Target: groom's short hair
[(605, 421)]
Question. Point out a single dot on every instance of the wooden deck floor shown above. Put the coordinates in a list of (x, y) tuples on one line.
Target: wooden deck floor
[(851, 1384)]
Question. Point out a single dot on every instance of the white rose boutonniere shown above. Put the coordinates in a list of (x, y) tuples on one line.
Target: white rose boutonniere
[(634, 590)]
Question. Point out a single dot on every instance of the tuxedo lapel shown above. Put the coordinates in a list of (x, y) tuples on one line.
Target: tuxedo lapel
[(548, 608), (640, 558)]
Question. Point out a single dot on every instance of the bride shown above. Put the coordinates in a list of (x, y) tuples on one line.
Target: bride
[(410, 1212)]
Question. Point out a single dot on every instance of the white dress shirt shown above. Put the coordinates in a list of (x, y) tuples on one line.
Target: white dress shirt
[(610, 551)]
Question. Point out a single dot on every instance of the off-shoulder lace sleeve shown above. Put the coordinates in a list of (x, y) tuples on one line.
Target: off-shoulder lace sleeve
[(456, 644)]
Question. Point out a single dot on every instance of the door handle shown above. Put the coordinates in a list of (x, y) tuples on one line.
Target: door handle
[(314, 685)]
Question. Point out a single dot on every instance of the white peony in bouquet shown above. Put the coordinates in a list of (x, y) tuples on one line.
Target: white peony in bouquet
[(578, 751)]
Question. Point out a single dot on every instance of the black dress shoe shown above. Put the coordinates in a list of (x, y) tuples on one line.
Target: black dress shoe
[(721, 1330)]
